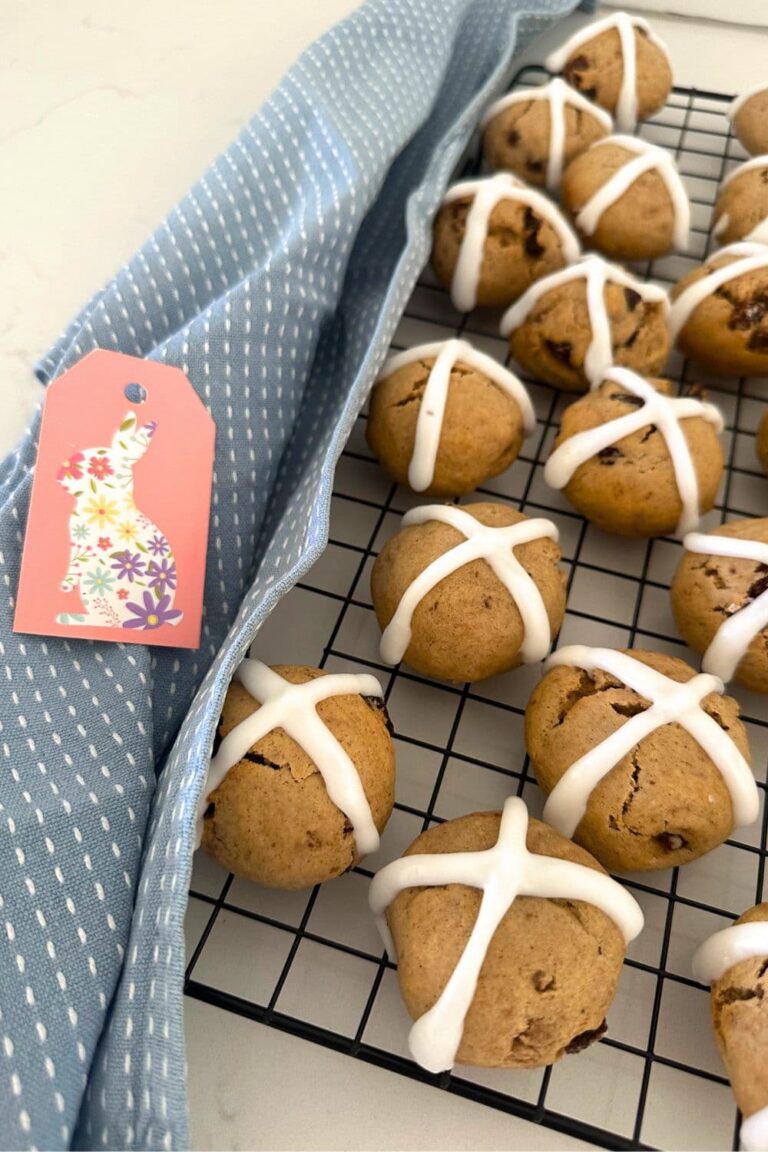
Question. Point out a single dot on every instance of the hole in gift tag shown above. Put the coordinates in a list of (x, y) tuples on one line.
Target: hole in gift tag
[(135, 393)]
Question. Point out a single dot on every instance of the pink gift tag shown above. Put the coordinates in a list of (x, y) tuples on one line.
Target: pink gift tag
[(118, 521)]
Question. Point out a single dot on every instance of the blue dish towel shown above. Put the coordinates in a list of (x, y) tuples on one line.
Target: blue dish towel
[(276, 285)]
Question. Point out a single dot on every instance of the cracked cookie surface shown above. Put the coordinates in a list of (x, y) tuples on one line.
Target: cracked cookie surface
[(739, 1001), (665, 803), (481, 432), (553, 340), (467, 627), (271, 819), (630, 487), (727, 332), (551, 969), (518, 139), (519, 248), (707, 590)]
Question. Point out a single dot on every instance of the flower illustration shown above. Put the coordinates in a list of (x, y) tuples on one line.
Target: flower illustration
[(71, 469), (122, 593), (128, 565), (104, 543), (99, 581), (158, 545), (80, 532), (150, 614), (100, 467), (161, 576), (101, 512), (127, 531)]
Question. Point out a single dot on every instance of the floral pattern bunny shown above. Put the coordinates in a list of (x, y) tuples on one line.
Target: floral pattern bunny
[(121, 562)]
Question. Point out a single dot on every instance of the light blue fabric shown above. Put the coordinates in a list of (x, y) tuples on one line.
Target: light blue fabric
[(276, 286)]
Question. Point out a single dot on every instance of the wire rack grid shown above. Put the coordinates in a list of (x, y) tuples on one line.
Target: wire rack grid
[(655, 1080)]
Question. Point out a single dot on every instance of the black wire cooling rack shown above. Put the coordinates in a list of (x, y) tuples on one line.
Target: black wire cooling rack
[(314, 967)]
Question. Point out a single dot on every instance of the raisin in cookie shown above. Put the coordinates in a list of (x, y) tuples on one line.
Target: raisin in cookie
[(719, 313), (621, 461), (721, 574), (452, 605), (493, 237), (571, 327), (621, 64), (445, 417), (626, 198), (531, 978), (535, 132), (735, 963), (639, 790), (302, 782)]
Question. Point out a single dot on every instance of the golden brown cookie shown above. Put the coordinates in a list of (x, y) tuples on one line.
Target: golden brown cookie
[(480, 433), (761, 442), (724, 323), (558, 334), (550, 971), (707, 590), (525, 237), (749, 117), (537, 132), (644, 217), (467, 626), (594, 62), (739, 1002), (271, 819), (630, 486), (663, 804), (741, 211)]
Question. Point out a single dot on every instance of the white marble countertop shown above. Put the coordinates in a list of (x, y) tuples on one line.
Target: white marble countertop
[(109, 112)]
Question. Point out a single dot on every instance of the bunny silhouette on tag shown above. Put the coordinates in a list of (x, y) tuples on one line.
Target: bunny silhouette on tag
[(122, 516)]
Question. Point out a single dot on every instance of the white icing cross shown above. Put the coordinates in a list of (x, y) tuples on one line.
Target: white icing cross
[(495, 546), (671, 703), (759, 234), (596, 273), (648, 157), (292, 707), (429, 424), (734, 636), (626, 105), (558, 94), (713, 959), (486, 193), (503, 872), (748, 257), (665, 413)]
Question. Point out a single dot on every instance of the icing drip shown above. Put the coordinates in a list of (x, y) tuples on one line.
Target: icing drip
[(596, 273), (495, 546), (739, 102), (711, 962), (750, 257), (625, 25), (759, 234), (671, 703), (648, 157), (429, 424), (734, 636), (662, 411), (293, 707), (558, 94), (503, 872), (486, 193)]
